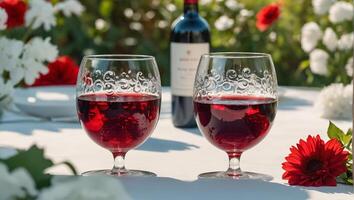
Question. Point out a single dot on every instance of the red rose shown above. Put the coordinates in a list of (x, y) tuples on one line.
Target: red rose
[(267, 16), (15, 10), (315, 163), (63, 71)]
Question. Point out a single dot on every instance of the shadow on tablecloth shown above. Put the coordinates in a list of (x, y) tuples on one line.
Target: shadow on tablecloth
[(27, 128), (163, 145), (293, 103), (167, 188), (340, 189)]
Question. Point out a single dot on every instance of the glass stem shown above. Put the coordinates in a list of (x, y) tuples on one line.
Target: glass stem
[(119, 163), (234, 165)]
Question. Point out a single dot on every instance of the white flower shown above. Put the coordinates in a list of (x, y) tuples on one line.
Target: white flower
[(346, 41), (10, 51), (322, 6), (17, 73), (11, 47), (88, 188), (88, 52), (330, 39), (246, 13), (69, 7), (100, 24), (318, 62), (310, 35), (232, 4), (341, 11), (31, 70), (40, 50), (137, 26), (6, 89), (3, 19), (335, 101), (40, 13), (223, 23), (128, 12), (15, 184), (272, 36), (349, 66), (7, 63), (205, 2), (36, 52), (171, 7)]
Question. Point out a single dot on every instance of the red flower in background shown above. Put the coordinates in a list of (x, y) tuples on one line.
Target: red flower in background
[(315, 163), (15, 10), (63, 71), (267, 16)]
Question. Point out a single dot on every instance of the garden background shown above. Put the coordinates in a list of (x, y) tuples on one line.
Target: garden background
[(143, 27)]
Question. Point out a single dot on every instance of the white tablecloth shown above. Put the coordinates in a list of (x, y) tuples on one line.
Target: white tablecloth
[(177, 156)]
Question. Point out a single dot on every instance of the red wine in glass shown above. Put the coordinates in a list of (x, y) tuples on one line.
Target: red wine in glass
[(118, 104), (118, 122), (235, 123)]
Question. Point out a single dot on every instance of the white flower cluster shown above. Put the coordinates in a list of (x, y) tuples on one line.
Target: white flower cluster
[(69, 7), (224, 22), (26, 61), (205, 2), (335, 101), (311, 34), (88, 188), (330, 39), (341, 11), (322, 6), (318, 60), (233, 4), (345, 42), (42, 12), (16, 184), (349, 66)]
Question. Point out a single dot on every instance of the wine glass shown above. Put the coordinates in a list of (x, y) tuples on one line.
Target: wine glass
[(118, 104), (235, 100)]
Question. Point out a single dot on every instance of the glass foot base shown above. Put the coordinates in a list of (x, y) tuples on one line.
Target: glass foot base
[(109, 172), (241, 176)]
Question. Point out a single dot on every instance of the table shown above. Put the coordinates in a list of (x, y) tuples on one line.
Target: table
[(177, 156)]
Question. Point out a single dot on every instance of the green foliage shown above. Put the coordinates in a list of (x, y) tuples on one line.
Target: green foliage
[(143, 27), (35, 162), (345, 139)]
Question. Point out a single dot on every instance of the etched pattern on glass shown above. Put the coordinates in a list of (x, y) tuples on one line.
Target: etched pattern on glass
[(233, 82), (127, 82)]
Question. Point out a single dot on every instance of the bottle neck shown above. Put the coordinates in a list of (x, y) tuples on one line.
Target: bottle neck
[(190, 6)]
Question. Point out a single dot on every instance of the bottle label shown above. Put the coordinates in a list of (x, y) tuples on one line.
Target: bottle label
[(184, 63)]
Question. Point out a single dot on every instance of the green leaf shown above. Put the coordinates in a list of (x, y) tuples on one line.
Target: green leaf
[(304, 65), (34, 161), (105, 8), (334, 132), (350, 132), (345, 178)]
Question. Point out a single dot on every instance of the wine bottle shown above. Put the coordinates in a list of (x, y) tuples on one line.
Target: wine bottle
[(190, 38)]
